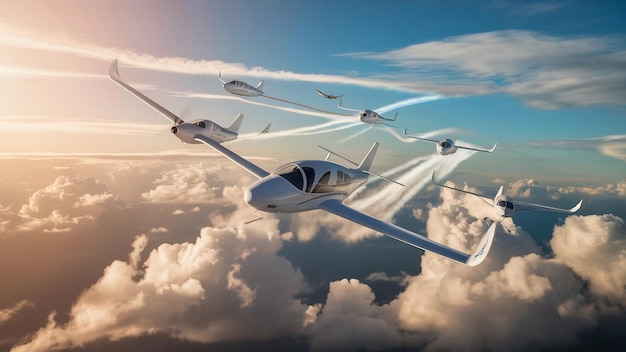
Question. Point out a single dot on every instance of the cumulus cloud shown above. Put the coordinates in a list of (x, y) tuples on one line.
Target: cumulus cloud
[(618, 189), (213, 289), (67, 203), (495, 306), (594, 247), (186, 184)]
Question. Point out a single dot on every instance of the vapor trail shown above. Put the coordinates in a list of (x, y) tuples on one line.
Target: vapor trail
[(356, 134), (408, 102)]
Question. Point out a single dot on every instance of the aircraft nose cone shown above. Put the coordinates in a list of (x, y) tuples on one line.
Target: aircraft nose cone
[(247, 196)]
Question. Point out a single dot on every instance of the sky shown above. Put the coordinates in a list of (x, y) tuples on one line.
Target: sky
[(114, 235)]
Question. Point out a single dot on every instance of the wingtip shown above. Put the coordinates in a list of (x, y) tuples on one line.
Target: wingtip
[(494, 148), (483, 248), (576, 207), (114, 72)]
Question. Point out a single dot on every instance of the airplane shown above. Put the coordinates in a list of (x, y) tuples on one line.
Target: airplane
[(185, 131), (328, 96), (504, 206), (266, 129), (448, 146), (322, 184), (242, 88), (369, 116)]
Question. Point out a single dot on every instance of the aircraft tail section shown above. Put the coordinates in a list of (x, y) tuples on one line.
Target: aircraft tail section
[(499, 192), (369, 158), (236, 124), (395, 116), (260, 85)]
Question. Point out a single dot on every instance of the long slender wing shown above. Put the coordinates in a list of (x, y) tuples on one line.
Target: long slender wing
[(115, 76), (335, 206), (489, 198), (236, 158), (421, 139), (519, 206), (347, 109), (480, 149)]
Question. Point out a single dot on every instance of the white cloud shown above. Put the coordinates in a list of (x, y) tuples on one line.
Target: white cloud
[(545, 71), (186, 184), (213, 289), (67, 203), (8, 313), (594, 247)]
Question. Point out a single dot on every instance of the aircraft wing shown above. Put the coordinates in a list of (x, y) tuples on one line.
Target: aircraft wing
[(115, 76), (336, 207), (520, 206), (244, 163), (421, 139), (479, 149), (488, 198)]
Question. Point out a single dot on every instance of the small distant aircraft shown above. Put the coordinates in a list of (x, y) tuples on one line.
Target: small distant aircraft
[(369, 116), (185, 131), (321, 184), (328, 96), (448, 146), (242, 88), (266, 129), (504, 207)]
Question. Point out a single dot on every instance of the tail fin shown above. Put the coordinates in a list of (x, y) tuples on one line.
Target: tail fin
[(235, 126), (260, 85), (499, 193), (394, 116), (369, 158)]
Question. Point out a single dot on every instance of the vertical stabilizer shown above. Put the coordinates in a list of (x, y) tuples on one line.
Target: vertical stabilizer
[(369, 158), (499, 193), (260, 85), (235, 126)]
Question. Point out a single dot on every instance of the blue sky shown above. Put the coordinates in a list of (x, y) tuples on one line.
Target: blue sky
[(506, 72)]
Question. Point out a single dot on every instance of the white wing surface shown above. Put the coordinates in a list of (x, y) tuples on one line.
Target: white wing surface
[(479, 149), (489, 199), (250, 167), (520, 206), (421, 139), (336, 207), (115, 76)]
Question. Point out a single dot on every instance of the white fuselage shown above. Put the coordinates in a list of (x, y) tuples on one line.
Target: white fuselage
[(369, 116), (503, 206), (188, 130), (242, 88), (303, 185), (446, 147)]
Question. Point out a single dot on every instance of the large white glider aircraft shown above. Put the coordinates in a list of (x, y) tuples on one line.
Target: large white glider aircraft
[(369, 116), (242, 88), (185, 131), (448, 146), (504, 206)]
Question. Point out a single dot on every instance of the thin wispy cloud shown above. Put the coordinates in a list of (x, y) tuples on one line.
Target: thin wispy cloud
[(545, 71), (612, 145)]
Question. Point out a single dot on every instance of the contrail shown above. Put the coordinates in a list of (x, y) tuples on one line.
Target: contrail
[(302, 131), (356, 134), (415, 174), (408, 102)]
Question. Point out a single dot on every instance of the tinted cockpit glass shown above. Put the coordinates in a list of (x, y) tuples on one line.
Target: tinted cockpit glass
[(292, 174), (310, 176), (509, 205), (502, 203)]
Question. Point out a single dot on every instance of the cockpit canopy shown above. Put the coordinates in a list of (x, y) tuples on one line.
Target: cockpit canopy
[(326, 180), (445, 144), (505, 204)]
